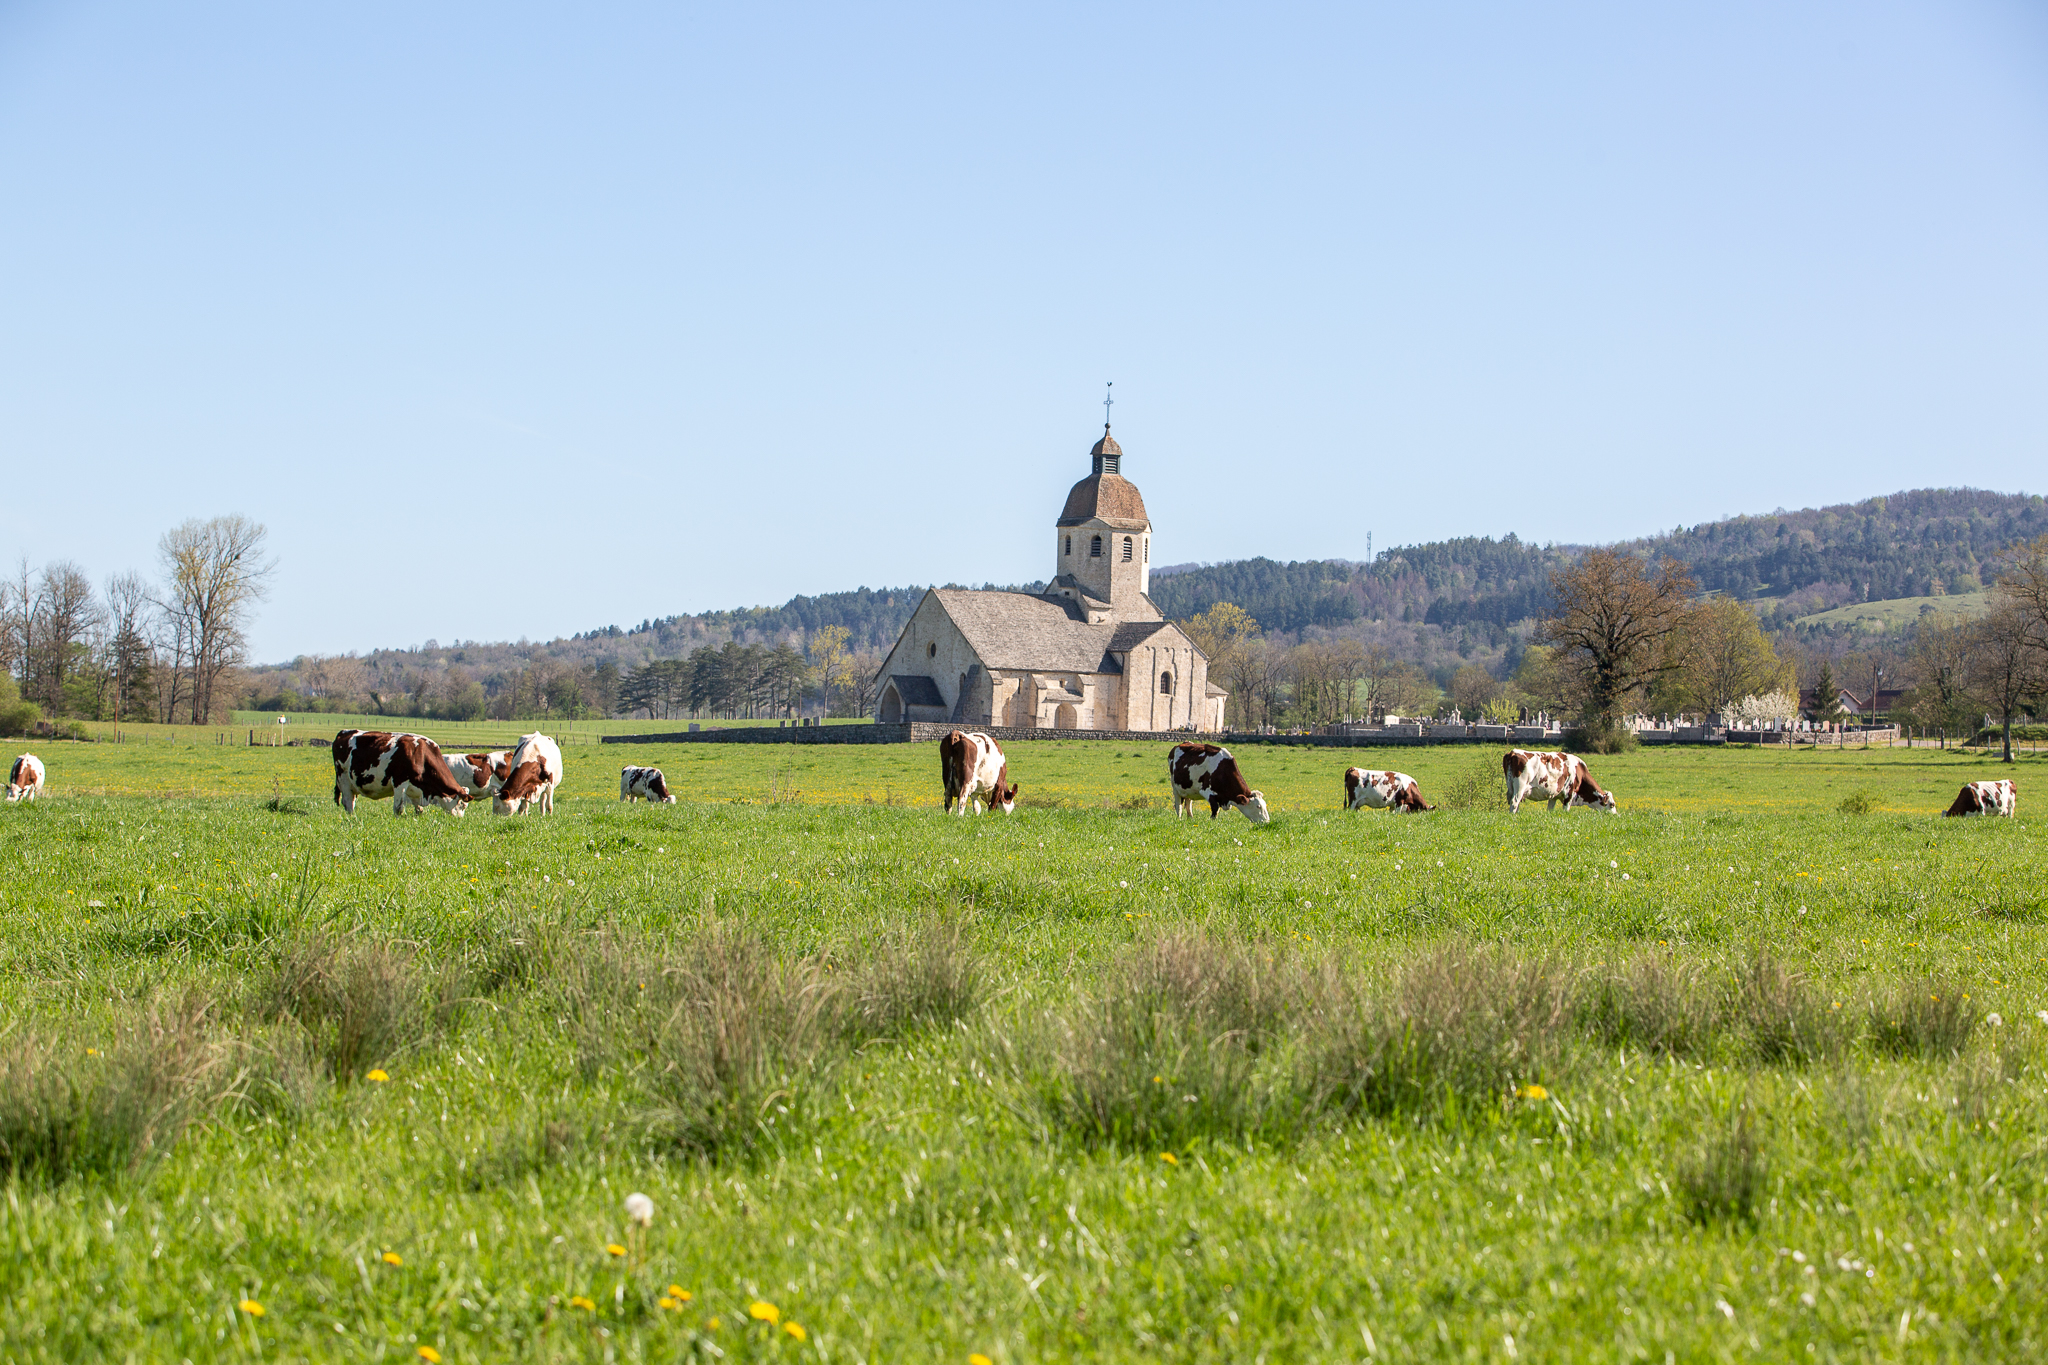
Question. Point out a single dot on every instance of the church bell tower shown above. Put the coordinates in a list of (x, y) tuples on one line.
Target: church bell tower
[(1103, 540)]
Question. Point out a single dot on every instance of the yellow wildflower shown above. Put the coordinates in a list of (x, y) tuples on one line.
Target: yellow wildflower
[(666, 1302), (680, 1294), (614, 1248), (979, 1359), (711, 1323), (430, 1355), (795, 1329), (393, 1258), (1169, 1158), (764, 1311), (578, 1301), (251, 1307), (378, 1075), (1534, 1092)]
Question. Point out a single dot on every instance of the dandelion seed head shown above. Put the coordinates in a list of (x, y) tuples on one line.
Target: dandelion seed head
[(640, 1209)]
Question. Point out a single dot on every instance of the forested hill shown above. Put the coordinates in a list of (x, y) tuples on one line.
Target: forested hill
[(1931, 540)]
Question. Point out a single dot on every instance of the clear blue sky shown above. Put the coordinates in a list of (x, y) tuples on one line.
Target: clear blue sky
[(517, 320)]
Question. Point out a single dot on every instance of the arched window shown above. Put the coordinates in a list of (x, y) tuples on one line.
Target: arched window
[(931, 651), (1069, 548), (1166, 684), (1127, 549), (1095, 548)]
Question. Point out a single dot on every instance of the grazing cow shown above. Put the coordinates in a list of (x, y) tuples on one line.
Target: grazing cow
[(25, 779), (1371, 788), (1976, 798), (1206, 772), (644, 784), (480, 774), (1554, 777), (973, 767), (536, 772), (407, 768)]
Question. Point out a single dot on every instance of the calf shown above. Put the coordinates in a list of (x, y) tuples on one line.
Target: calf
[(972, 766), (480, 774), (536, 772), (638, 784), (1371, 788), (1554, 777), (1207, 772), (1976, 798), (407, 768), (25, 779)]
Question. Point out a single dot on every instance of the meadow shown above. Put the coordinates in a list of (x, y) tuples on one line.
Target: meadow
[(1758, 1068)]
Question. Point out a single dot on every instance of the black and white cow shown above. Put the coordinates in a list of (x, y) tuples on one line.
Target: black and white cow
[(973, 768), (644, 784), (407, 768), (1206, 772)]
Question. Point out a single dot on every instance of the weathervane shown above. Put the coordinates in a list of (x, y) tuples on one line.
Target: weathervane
[(1108, 398)]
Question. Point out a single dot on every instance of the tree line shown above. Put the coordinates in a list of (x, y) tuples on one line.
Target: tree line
[(163, 648)]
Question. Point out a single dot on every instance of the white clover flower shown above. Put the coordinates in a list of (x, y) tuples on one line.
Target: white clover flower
[(640, 1209)]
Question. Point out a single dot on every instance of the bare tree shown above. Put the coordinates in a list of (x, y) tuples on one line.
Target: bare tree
[(2008, 661), (65, 612), (864, 677), (215, 573), (1613, 615), (17, 620), (128, 650)]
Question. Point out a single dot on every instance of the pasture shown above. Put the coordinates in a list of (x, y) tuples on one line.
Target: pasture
[(1717, 1078)]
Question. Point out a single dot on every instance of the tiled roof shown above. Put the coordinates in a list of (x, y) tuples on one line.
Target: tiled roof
[(1106, 497), (1130, 634), (1017, 631)]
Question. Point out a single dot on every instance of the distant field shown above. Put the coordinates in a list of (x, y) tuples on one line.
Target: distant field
[(1714, 1079), (1893, 612)]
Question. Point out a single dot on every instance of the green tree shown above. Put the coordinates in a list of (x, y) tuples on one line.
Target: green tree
[(1827, 701)]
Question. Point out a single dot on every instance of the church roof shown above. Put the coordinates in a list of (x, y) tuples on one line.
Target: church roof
[(1015, 630), (917, 689), (1106, 495), (1130, 634)]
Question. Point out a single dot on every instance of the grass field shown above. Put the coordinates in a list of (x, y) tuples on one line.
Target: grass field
[(1715, 1079), (1891, 613)]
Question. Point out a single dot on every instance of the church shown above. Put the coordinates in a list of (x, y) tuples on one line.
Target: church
[(1091, 652)]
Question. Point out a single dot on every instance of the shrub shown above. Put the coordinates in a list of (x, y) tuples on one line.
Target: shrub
[(1856, 803), (73, 1107), (1723, 1181), (1592, 739), (925, 975), (1779, 1015), (1653, 1004), (1927, 1019), (359, 1004), (1476, 783)]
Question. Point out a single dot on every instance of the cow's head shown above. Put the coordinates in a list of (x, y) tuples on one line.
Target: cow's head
[(1599, 800), (1253, 808), (1004, 798)]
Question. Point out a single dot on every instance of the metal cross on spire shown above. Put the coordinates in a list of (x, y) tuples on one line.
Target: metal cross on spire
[(1108, 398)]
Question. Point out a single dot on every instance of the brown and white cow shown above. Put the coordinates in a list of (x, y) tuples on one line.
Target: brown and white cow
[(644, 784), (1375, 789), (407, 768), (1554, 777), (536, 772), (1979, 798), (1207, 772), (25, 779), (480, 774), (972, 767)]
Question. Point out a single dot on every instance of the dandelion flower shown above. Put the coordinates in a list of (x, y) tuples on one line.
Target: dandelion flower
[(251, 1307), (1534, 1092), (1169, 1158), (795, 1329), (379, 1076), (763, 1311), (578, 1301), (979, 1359), (711, 1323), (393, 1258), (428, 1353), (640, 1209), (680, 1294), (614, 1248)]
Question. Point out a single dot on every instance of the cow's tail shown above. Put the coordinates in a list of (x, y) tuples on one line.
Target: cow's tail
[(953, 766)]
